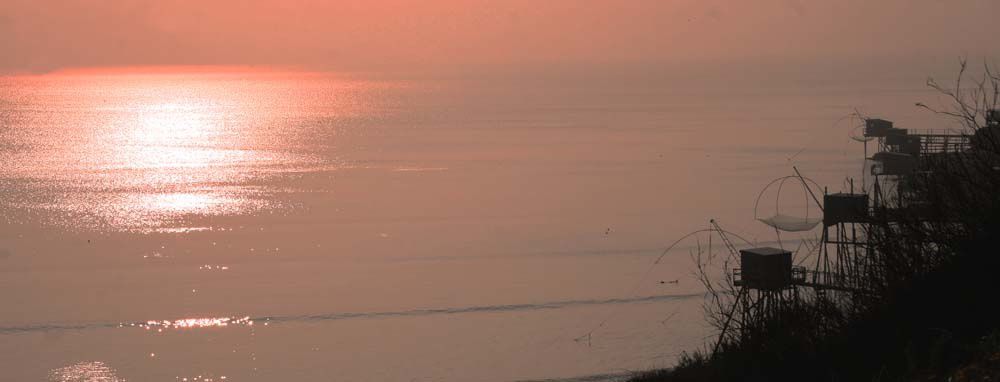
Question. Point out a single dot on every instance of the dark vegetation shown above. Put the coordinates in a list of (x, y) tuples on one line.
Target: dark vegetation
[(932, 310)]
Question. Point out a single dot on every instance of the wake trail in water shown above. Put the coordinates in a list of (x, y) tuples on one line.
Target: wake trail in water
[(194, 323), (482, 309)]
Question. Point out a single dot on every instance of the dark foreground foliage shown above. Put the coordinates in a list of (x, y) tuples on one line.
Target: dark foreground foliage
[(934, 313), (930, 331)]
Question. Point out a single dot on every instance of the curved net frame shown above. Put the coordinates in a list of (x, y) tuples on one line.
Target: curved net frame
[(858, 134), (786, 222)]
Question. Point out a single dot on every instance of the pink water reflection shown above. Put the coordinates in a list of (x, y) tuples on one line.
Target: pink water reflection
[(143, 151)]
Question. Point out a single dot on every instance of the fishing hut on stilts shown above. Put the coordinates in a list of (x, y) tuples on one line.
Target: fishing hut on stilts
[(847, 265)]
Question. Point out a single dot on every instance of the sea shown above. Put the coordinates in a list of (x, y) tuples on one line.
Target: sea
[(274, 224)]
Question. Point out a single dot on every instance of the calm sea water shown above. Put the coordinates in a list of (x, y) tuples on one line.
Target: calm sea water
[(274, 226)]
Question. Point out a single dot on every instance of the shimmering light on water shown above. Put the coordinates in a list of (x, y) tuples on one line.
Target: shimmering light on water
[(147, 152), (210, 267), (181, 202), (201, 378), (85, 372), (193, 323)]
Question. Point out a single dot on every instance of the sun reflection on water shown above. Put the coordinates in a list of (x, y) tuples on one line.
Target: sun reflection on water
[(182, 202), (85, 372), (144, 152), (191, 323), (201, 378)]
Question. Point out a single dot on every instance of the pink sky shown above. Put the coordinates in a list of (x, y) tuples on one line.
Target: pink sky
[(480, 35)]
